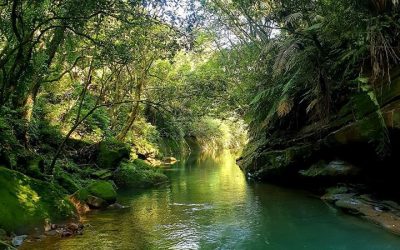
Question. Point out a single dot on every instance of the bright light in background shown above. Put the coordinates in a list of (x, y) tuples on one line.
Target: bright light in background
[(193, 17)]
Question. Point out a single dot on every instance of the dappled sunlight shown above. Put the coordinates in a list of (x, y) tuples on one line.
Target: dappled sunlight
[(27, 197), (209, 205)]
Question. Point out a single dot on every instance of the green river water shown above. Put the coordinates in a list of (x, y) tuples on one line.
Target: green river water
[(209, 205)]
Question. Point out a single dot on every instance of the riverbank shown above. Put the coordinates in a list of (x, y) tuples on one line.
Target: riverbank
[(36, 203), (209, 204), (350, 160)]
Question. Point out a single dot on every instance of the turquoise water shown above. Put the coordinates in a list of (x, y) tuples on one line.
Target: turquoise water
[(209, 205)]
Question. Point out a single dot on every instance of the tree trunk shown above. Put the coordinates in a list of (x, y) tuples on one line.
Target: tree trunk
[(30, 100), (135, 110)]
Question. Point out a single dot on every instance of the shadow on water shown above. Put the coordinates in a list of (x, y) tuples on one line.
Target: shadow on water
[(209, 205)]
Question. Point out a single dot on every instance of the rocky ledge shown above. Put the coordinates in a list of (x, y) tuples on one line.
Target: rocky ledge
[(384, 213)]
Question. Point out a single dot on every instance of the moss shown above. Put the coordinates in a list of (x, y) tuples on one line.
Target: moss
[(67, 180), (138, 174), (111, 153), (102, 174), (35, 168), (142, 164), (26, 202), (277, 163), (104, 190), (98, 194), (82, 194)]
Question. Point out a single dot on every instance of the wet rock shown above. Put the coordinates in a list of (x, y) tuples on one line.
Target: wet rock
[(96, 202), (51, 233), (98, 194), (66, 230), (18, 240), (116, 206), (270, 165), (39, 237), (74, 228), (169, 160), (383, 213), (153, 162), (332, 169)]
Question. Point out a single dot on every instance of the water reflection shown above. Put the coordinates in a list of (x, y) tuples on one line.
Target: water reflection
[(209, 205)]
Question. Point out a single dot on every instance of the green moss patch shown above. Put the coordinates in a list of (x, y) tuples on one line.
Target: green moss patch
[(104, 190), (67, 180), (101, 189), (111, 153), (138, 174), (26, 202)]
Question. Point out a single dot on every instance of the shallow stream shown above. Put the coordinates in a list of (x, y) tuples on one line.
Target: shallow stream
[(209, 205)]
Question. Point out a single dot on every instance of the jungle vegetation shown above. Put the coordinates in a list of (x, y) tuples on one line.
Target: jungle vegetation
[(76, 74)]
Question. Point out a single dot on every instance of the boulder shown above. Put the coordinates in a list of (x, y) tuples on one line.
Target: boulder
[(138, 174), (18, 240), (111, 153), (98, 194), (96, 202), (383, 213), (66, 180), (103, 190)]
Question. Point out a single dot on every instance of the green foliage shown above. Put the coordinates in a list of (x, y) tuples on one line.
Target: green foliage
[(310, 56), (214, 135)]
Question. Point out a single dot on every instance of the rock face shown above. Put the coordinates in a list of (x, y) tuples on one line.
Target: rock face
[(26, 202), (360, 133), (332, 169), (360, 144)]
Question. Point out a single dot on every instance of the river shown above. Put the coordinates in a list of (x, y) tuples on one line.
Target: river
[(210, 205)]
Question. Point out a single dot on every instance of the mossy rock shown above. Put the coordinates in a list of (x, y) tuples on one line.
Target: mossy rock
[(111, 153), (26, 202), (35, 168), (138, 174), (104, 190), (277, 163), (331, 169), (67, 180), (102, 174), (97, 190)]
